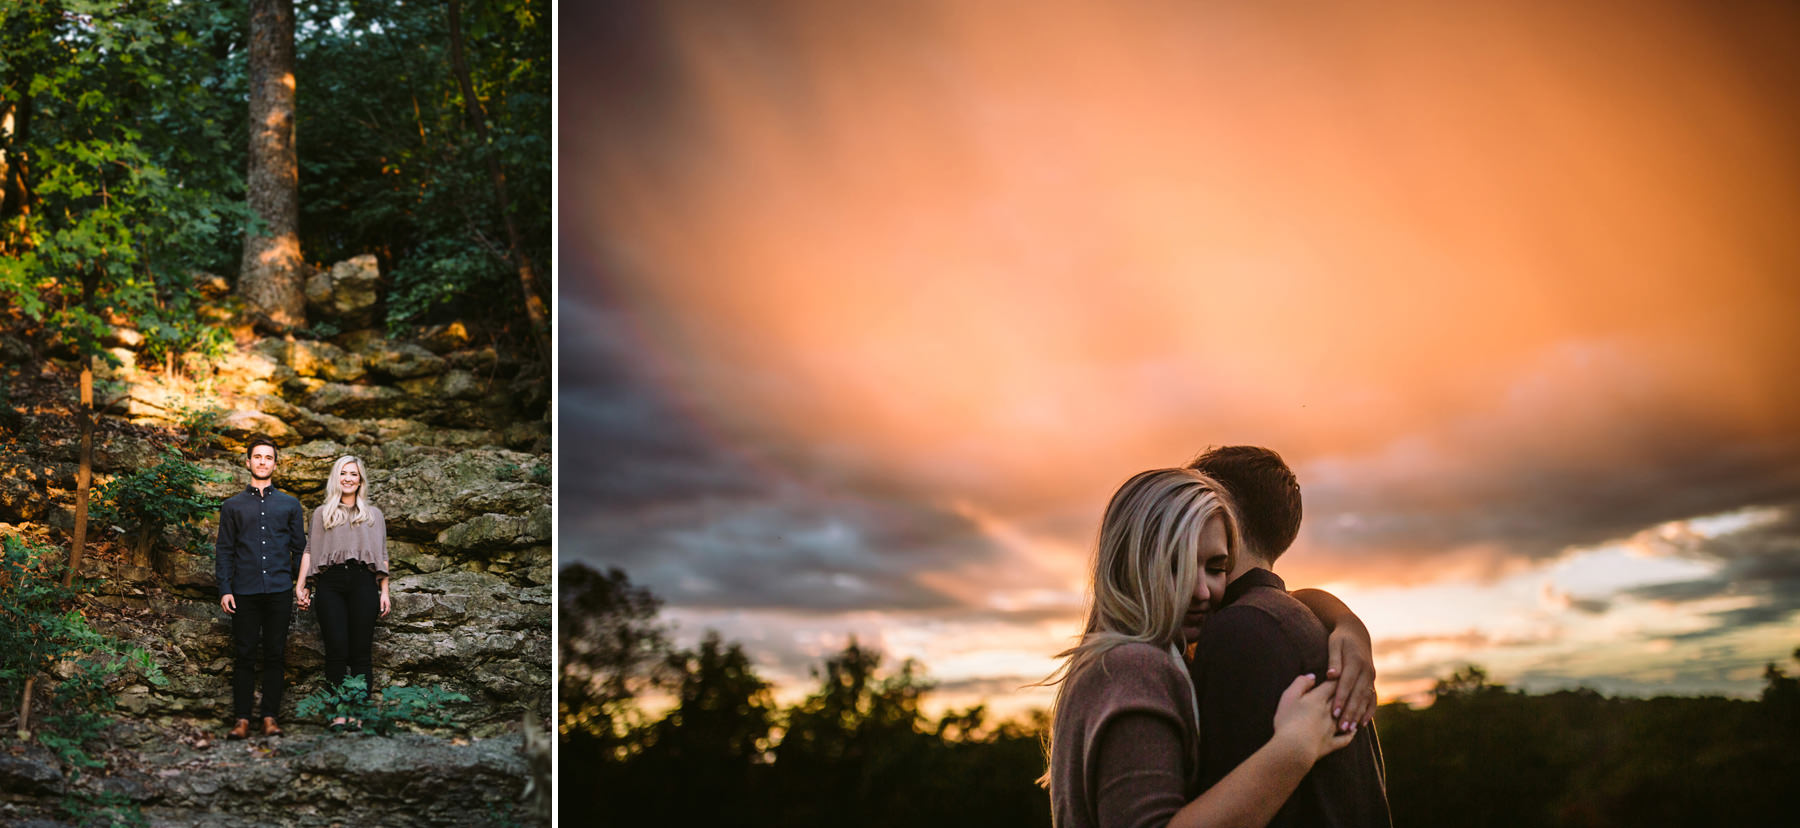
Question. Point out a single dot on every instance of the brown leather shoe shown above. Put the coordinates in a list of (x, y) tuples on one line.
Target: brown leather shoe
[(270, 728), (240, 731)]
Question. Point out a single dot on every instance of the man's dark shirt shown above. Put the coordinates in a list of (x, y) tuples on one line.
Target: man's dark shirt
[(261, 536), (1250, 650)]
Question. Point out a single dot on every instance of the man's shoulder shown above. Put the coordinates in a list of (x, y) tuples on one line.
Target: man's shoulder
[(1238, 626), (1272, 603), (1258, 619), (1259, 606)]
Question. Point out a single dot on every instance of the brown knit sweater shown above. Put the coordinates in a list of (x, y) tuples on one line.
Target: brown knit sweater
[(1127, 742), (366, 542)]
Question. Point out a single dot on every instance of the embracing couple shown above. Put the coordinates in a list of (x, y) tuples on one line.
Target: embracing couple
[(342, 567), (1202, 692)]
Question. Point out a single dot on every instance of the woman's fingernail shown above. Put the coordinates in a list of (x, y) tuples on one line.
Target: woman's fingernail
[(1337, 711)]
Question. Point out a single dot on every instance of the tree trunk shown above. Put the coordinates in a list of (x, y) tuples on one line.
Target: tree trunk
[(534, 304), (84, 415), (272, 277), (15, 189), (6, 133), (24, 733)]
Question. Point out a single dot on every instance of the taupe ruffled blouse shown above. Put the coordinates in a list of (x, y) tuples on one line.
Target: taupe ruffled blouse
[(366, 542)]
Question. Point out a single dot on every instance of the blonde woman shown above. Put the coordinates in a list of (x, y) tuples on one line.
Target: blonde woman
[(1124, 739), (346, 568)]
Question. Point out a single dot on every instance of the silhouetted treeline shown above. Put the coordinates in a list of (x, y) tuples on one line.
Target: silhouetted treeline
[(1484, 756), (857, 750)]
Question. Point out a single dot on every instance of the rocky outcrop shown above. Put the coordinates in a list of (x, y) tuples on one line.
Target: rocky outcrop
[(306, 779), (347, 292), (468, 518), (454, 436)]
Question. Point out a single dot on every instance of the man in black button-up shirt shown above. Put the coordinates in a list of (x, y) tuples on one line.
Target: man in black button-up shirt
[(1258, 640), (262, 531)]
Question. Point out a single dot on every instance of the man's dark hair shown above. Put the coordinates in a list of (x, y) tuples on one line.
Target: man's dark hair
[(260, 440), (1263, 488)]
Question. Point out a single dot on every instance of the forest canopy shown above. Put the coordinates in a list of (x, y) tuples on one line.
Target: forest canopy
[(123, 146)]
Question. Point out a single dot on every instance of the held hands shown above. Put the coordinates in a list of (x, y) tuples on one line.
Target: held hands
[(1303, 719), (302, 596), (1352, 666)]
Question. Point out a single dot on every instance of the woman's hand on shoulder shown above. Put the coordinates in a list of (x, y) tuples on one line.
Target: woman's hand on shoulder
[(1303, 719), (1352, 666)]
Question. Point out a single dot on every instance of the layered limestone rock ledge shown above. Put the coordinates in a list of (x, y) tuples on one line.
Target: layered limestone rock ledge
[(302, 780), (454, 434)]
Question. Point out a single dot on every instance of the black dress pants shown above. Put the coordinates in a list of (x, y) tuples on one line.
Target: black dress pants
[(347, 600), (261, 619)]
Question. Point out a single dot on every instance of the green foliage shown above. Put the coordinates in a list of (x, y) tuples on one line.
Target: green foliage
[(167, 494), (39, 629), (321, 330), (200, 422), (80, 701), (391, 165), (117, 120), (89, 810), (382, 712), (502, 815), (538, 473), (130, 150), (175, 328)]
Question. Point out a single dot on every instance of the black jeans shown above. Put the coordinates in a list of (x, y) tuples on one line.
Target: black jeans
[(261, 619), (347, 600)]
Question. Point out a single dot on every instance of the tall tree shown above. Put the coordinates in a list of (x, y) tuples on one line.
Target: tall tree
[(272, 277), (12, 191)]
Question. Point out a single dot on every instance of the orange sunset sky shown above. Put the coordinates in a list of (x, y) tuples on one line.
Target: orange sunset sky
[(866, 308)]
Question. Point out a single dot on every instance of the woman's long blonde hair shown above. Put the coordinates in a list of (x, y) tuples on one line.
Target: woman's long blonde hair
[(336, 513), (1144, 569)]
